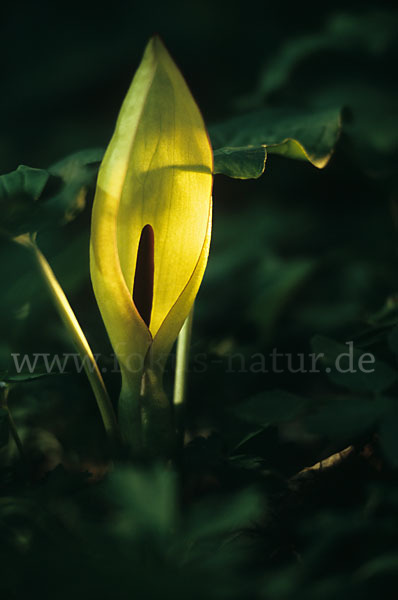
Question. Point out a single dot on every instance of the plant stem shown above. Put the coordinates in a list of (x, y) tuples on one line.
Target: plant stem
[(158, 431), (11, 423), (76, 333), (183, 347), (181, 374)]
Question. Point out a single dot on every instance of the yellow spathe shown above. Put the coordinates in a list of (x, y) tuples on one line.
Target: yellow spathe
[(157, 170)]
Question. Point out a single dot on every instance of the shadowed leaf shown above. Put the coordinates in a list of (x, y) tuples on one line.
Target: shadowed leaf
[(241, 144), (352, 368), (271, 408)]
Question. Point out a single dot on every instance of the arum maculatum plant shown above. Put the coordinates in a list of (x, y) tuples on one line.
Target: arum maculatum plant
[(150, 236)]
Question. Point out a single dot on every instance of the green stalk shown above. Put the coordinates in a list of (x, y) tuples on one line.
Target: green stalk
[(158, 432), (75, 331), (182, 360), (11, 422), (181, 375)]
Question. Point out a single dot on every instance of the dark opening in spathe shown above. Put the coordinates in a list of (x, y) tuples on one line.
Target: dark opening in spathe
[(144, 270)]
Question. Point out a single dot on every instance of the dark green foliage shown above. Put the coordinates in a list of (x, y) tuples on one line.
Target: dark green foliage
[(356, 369), (33, 199), (271, 408), (18, 191), (241, 144)]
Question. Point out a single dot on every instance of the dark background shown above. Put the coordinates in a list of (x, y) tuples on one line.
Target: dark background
[(66, 66), (298, 253)]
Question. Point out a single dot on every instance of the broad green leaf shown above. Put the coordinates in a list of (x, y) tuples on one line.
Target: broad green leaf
[(24, 182), (19, 190), (241, 144), (352, 368), (22, 284), (77, 173), (68, 167), (34, 199), (240, 163), (271, 407)]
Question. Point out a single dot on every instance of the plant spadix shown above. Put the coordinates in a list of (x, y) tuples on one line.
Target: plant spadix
[(150, 229)]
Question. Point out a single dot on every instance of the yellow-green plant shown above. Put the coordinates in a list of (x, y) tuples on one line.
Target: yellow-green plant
[(150, 237)]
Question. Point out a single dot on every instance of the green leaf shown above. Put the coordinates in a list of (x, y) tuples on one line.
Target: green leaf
[(23, 182), (33, 199), (241, 144), (271, 407), (68, 167), (212, 520), (344, 418), (241, 163), (78, 173), (18, 191), (146, 499), (351, 368), (23, 376)]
